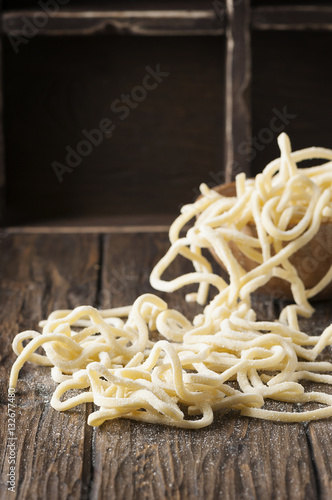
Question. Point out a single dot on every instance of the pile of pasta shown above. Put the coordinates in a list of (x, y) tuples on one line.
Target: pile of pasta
[(224, 358)]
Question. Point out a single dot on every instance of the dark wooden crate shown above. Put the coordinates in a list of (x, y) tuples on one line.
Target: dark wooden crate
[(155, 157), (225, 65), (60, 456), (57, 86)]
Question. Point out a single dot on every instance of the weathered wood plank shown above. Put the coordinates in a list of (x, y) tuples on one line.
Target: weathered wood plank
[(144, 21), (111, 224), (39, 274), (238, 76), (292, 17), (319, 434), (233, 458)]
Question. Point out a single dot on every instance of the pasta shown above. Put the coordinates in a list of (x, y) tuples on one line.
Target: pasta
[(224, 358)]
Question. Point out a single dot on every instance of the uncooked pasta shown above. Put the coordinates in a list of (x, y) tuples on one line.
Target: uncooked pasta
[(224, 358)]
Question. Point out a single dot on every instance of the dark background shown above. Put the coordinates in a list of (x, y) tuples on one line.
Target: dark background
[(56, 86)]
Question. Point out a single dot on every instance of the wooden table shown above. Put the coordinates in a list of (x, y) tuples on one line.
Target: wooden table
[(59, 456)]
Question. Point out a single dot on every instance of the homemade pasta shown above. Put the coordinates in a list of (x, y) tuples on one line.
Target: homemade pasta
[(224, 358)]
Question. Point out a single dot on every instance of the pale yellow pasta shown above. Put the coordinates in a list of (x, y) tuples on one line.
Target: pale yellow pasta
[(224, 358)]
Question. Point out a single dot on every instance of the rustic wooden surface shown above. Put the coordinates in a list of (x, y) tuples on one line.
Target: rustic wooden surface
[(292, 17), (60, 456)]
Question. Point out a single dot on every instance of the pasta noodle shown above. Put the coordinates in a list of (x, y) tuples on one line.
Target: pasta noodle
[(224, 358)]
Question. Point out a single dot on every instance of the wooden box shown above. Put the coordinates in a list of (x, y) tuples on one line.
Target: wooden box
[(234, 80)]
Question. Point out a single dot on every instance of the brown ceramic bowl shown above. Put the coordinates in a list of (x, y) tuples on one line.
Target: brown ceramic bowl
[(311, 261)]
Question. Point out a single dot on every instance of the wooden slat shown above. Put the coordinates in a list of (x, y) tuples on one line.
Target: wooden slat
[(2, 142), (233, 458), (39, 274), (238, 75), (319, 434), (126, 223), (320, 439), (159, 21), (295, 17)]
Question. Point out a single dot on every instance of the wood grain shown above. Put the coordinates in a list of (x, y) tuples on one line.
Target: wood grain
[(59, 456), (234, 458), (38, 274), (292, 17), (319, 434), (158, 154), (146, 20)]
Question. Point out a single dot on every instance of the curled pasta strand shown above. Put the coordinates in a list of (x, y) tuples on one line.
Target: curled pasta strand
[(150, 363)]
